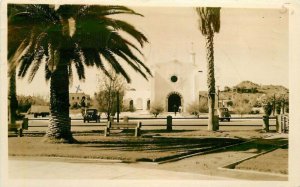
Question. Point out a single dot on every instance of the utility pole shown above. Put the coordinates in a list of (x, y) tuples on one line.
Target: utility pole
[(218, 96), (118, 105), (274, 103), (193, 54)]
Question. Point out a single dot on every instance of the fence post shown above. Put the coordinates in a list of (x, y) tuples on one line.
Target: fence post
[(266, 123), (138, 129), (169, 123), (216, 123), (107, 129), (125, 119), (281, 123), (25, 123), (20, 132), (284, 124), (278, 124)]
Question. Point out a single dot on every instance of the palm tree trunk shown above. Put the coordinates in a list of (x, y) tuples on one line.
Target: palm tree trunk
[(59, 128), (210, 78), (12, 100)]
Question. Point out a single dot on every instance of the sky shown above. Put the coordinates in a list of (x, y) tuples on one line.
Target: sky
[(252, 45)]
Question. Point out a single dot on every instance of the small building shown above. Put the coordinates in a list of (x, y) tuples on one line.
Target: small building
[(139, 100), (39, 110), (75, 99)]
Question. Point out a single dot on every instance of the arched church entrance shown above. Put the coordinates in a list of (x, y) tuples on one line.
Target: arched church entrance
[(174, 101)]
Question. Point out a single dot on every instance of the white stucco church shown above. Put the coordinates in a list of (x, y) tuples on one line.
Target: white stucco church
[(174, 84)]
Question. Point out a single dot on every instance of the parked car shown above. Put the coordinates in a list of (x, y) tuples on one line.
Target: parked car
[(223, 114), (91, 115)]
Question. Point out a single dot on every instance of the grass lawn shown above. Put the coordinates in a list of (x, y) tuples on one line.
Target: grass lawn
[(154, 145), (160, 145), (119, 147), (275, 162)]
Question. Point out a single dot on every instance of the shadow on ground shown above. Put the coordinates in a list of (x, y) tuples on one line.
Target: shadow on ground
[(260, 145)]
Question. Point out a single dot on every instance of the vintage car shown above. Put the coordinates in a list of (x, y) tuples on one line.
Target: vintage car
[(223, 114), (91, 115)]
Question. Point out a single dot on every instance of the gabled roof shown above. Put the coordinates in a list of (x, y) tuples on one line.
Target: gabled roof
[(175, 62)]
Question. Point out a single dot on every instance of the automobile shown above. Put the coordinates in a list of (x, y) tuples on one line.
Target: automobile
[(223, 114), (91, 115)]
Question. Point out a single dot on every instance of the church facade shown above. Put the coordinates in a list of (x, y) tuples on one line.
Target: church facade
[(174, 84)]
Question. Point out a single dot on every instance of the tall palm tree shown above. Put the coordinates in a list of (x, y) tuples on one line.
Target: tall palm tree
[(15, 50), (209, 23), (96, 39)]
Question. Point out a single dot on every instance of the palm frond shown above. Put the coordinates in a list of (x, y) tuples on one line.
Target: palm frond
[(48, 73), (70, 73), (209, 19), (104, 10), (35, 65), (25, 64), (96, 38), (132, 64), (14, 55), (118, 46), (108, 55), (126, 27), (79, 64), (99, 64), (216, 19)]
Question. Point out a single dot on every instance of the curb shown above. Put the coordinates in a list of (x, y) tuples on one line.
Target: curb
[(231, 167), (68, 159), (253, 172)]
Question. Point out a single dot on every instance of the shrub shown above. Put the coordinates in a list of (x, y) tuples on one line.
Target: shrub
[(127, 108), (196, 108), (242, 105), (229, 103), (254, 112), (75, 106), (268, 108), (278, 107), (156, 109)]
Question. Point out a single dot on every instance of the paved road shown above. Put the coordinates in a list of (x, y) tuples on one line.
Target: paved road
[(179, 124)]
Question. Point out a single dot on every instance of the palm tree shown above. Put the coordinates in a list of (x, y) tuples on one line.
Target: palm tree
[(209, 23), (14, 51), (94, 39)]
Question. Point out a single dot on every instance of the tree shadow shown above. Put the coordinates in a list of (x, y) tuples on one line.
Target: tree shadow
[(259, 145), (161, 144)]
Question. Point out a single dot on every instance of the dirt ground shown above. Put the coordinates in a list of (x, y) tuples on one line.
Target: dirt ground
[(162, 144)]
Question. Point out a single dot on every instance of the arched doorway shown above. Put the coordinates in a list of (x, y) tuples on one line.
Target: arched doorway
[(131, 105), (174, 101), (139, 104)]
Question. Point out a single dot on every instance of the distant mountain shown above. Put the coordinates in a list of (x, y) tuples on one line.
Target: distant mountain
[(250, 87), (247, 84), (273, 89)]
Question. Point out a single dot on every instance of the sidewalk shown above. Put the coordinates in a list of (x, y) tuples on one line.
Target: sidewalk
[(20, 169)]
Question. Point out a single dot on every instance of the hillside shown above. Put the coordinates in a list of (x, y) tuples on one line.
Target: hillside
[(273, 89), (253, 92), (250, 87), (247, 84)]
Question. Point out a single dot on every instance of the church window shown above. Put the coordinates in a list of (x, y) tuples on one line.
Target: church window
[(174, 78)]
